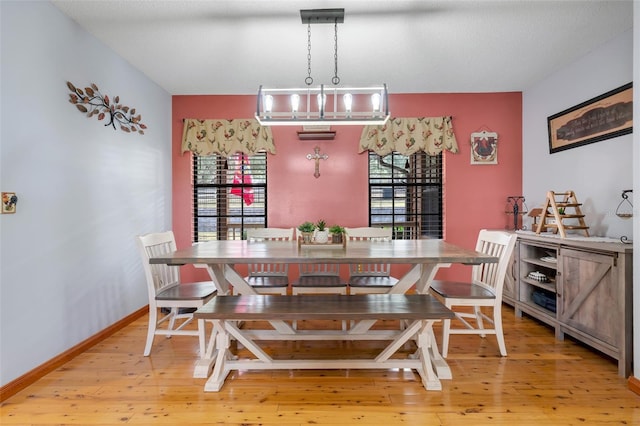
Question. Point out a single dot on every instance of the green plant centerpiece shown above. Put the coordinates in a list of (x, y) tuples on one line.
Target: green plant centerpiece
[(337, 234), (306, 229), (322, 233)]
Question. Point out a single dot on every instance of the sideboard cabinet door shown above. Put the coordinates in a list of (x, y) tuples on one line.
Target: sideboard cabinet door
[(591, 301)]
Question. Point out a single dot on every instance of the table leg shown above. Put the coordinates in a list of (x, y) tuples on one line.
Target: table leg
[(221, 369), (428, 274), (216, 272), (242, 287), (405, 283)]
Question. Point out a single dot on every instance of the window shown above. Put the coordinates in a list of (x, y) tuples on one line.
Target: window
[(229, 195), (405, 192)]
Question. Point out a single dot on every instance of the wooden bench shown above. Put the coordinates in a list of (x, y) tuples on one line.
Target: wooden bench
[(420, 311)]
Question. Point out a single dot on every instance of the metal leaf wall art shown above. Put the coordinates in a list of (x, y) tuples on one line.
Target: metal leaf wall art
[(91, 102)]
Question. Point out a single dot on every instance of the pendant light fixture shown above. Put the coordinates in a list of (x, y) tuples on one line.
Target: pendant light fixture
[(324, 104)]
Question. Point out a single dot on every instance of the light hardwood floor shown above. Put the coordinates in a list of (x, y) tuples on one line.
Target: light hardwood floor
[(541, 382)]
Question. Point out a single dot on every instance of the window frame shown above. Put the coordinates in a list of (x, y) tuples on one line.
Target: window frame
[(228, 225), (425, 172)]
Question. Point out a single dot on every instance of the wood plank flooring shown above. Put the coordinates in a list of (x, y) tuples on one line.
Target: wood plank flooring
[(541, 382)]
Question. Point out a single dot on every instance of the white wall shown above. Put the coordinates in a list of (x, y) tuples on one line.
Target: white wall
[(597, 172), (68, 259)]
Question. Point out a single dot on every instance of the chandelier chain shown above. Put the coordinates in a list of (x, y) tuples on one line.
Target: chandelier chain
[(309, 80), (335, 80)]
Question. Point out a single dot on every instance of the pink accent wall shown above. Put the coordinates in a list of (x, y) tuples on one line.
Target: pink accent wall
[(474, 195)]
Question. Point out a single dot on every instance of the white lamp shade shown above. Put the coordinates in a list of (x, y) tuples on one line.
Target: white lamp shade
[(375, 101), (348, 101), (268, 103), (295, 102)]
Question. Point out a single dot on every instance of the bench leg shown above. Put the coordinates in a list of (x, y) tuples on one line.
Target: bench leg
[(428, 355), (205, 363), (232, 330), (442, 368), (402, 338)]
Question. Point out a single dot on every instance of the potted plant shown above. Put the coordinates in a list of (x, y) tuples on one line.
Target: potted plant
[(337, 234), (322, 233), (307, 229)]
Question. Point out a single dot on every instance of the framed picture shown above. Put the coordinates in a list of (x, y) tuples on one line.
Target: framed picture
[(604, 117), (484, 148), (9, 201)]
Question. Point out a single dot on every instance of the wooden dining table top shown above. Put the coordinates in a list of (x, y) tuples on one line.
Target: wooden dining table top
[(395, 251)]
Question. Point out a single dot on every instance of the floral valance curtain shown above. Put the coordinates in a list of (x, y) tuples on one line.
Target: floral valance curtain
[(409, 135), (226, 137)]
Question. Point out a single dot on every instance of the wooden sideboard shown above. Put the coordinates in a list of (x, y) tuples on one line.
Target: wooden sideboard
[(585, 293)]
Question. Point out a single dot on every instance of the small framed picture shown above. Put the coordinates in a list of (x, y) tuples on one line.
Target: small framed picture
[(484, 148), (9, 201)]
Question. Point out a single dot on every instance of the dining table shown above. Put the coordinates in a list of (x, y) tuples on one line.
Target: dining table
[(424, 258)]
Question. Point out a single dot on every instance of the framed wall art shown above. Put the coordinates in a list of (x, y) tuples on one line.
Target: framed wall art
[(9, 201), (604, 117), (484, 147)]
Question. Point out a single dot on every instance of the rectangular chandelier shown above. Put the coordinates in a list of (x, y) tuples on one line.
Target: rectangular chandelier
[(323, 105)]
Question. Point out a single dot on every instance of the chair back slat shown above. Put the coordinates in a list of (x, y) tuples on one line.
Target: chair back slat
[(491, 275), (373, 234), (368, 233), (271, 234), (319, 269), (268, 269), (266, 235), (159, 276)]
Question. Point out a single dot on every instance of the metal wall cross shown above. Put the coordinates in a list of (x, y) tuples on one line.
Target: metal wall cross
[(317, 156)]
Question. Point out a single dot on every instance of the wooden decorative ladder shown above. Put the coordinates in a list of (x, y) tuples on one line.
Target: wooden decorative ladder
[(570, 206)]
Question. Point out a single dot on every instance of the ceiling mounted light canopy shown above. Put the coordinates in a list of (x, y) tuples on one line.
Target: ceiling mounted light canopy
[(323, 104)]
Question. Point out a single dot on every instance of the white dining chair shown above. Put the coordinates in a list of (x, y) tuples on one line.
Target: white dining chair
[(269, 278), (167, 291), (370, 278), (484, 291)]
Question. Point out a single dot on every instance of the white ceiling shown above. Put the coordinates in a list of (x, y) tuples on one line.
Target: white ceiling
[(429, 46)]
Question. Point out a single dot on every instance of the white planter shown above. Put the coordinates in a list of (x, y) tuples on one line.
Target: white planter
[(322, 236)]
